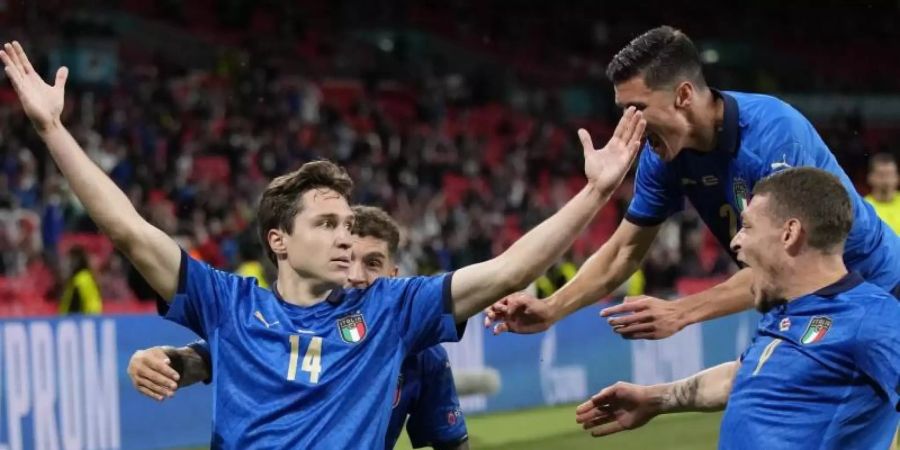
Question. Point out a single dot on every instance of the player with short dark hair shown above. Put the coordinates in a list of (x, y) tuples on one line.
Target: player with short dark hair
[(425, 389), (310, 364), (822, 371), (712, 147)]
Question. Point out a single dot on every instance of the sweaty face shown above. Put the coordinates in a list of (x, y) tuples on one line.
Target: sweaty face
[(758, 244), (667, 127), (319, 246), (370, 260), (884, 178)]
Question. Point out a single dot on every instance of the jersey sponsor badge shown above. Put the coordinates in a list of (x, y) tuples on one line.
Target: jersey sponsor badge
[(352, 328), (785, 324), (816, 330)]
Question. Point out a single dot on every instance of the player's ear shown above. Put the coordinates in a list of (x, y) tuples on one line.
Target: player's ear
[(684, 94), (792, 236), (277, 241)]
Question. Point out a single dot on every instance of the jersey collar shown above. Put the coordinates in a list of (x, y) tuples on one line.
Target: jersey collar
[(335, 297), (728, 136), (847, 282)]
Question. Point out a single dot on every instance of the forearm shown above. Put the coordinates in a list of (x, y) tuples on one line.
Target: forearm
[(602, 273), (705, 391), (155, 254), (107, 205), (191, 367), (476, 286), (729, 297)]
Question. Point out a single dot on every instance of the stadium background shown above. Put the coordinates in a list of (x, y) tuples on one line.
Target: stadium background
[(458, 117)]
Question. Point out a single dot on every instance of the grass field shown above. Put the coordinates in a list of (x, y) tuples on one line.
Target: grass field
[(555, 428)]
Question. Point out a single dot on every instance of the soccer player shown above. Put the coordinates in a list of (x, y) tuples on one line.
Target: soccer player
[(822, 371), (884, 181), (309, 364), (425, 389), (712, 147)]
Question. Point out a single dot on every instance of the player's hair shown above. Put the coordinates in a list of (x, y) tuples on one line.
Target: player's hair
[(281, 201), (881, 158), (377, 223), (664, 56), (815, 197)]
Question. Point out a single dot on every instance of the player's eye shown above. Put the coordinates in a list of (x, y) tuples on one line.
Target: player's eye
[(328, 223), (375, 264)]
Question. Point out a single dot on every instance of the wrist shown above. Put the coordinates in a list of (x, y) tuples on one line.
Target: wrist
[(659, 398), (53, 126)]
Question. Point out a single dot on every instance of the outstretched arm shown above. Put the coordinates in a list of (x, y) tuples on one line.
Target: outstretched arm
[(155, 254), (626, 406), (475, 286)]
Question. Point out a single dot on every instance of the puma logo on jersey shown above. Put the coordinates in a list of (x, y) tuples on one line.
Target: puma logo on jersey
[(781, 164), (262, 319)]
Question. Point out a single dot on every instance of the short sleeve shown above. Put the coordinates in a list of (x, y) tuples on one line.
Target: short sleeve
[(424, 310), (655, 196), (436, 419), (203, 295), (877, 350)]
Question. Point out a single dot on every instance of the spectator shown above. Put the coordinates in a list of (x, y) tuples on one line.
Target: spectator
[(884, 181), (81, 294)]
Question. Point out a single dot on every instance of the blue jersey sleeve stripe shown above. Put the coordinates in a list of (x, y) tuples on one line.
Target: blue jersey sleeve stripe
[(447, 293), (182, 273), (643, 221), (162, 306), (448, 304)]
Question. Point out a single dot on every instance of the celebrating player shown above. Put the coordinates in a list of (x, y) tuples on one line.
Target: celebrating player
[(307, 364), (425, 390), (823, 368), (711, 147)]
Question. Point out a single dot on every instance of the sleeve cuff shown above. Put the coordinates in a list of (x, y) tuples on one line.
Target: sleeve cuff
[(162, 306), (643, 221)]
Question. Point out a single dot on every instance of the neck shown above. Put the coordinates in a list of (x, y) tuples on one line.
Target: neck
[(810, 272), (705, 120), (301, 291), (883, 196)]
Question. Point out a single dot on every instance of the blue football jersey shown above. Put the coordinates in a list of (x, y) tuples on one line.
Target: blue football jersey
[(759, 136), (426, 393), (317, 377), (822, 372)]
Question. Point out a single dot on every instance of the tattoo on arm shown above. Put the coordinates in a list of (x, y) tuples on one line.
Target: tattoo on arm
[(705, 391)]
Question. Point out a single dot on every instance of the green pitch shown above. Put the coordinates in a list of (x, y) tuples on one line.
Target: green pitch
[(555, 427)]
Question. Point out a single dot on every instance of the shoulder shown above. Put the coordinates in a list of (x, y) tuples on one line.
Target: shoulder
[(769, 118)]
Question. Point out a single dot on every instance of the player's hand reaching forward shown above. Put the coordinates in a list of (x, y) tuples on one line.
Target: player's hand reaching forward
[(151, 373), (622, 406), (519, 313), (606, 168), (646, 318), (42, 102)]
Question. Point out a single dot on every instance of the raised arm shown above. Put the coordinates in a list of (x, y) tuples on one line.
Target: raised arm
[(475, 286), (153, 253), (626, 406)]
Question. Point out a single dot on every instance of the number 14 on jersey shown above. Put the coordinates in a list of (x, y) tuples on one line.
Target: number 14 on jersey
[(312, 359)]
